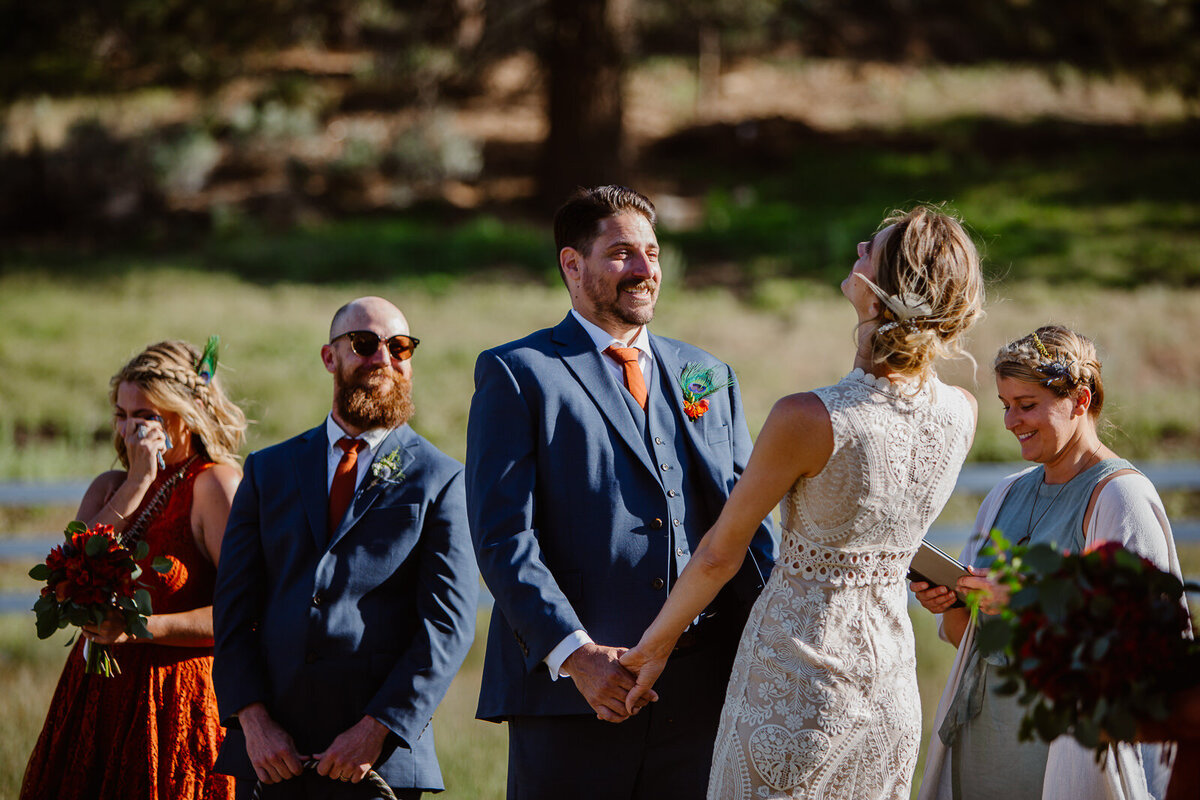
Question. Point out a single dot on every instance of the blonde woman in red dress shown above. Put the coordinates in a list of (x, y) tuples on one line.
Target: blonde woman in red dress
[(152, 730)]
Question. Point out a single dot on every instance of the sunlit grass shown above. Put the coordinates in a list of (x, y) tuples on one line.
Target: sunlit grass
[(787, 336)]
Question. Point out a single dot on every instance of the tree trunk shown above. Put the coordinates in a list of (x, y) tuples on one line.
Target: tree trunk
[(583, 60)]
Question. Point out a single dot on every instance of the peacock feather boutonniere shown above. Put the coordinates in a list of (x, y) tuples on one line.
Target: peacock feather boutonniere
[(386, 470), (698, 382)]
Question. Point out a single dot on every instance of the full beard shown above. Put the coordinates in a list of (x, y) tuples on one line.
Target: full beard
[(611, 307), (380, 398)]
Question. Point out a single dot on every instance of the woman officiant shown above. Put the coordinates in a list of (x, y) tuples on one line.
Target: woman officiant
[(1079, 492)]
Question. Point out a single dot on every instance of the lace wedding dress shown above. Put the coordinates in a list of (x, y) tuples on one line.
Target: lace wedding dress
[(822, 702)]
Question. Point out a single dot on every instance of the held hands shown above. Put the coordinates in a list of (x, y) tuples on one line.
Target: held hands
[(353, 752), (604, 682), (647, 668)]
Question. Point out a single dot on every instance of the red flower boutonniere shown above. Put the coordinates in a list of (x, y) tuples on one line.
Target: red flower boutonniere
[(698, 382)]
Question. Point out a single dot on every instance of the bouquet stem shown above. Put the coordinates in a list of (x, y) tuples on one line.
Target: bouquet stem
[(100, 661)]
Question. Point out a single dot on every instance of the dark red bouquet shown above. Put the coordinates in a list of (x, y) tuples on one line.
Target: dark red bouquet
[(1096, 641), (87, 577)]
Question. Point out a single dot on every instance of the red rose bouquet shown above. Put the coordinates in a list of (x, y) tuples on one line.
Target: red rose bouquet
[(88, 576), (1096, 641)]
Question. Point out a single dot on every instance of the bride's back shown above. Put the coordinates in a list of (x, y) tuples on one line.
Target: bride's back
[(896, 456)]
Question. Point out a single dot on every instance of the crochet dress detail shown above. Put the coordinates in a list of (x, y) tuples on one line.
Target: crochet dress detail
[(823, 702)]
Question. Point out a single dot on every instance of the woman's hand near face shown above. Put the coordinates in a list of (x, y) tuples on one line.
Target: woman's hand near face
[(145, 441)]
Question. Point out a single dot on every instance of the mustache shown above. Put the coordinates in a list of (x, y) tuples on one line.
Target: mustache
[(636, 285)]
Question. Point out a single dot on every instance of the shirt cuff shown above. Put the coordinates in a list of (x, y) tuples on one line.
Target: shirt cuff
[(562, 652)]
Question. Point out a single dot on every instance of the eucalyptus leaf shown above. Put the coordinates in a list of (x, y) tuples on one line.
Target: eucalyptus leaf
[(141, 599), (1024, 598), (1043, 559), (1127, 560), (1055, 595), (47, 623), (1087, 732), (73, 527), (137, 627), (994, 635), (161, 564), (141, 550), (39, 572), (1045, 723), (1120, 724)]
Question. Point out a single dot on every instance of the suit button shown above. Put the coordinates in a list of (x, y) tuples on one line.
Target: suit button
[(658, 440), (671, 493), (675, 522), (317, 599), (665, 467), (678, 551), (657, 584), (656, 524), (311, 657)]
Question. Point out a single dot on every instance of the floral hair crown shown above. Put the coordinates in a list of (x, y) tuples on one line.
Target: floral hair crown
[(1056, 370), (906, 307)]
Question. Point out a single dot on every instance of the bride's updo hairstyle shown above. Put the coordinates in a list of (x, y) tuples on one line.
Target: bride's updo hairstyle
[(928, 260), (1055, 357), (167, 373)]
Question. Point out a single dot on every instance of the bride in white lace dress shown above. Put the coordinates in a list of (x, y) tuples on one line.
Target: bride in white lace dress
[(822, 702)]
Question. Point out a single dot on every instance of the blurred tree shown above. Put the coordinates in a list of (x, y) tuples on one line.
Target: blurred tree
[(1155, 41), (583, 49)]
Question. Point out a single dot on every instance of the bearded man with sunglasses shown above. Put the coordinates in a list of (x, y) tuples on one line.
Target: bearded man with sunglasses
[(598, 454), (347, 588)]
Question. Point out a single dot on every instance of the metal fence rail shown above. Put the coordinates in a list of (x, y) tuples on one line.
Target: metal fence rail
[(975, 480)]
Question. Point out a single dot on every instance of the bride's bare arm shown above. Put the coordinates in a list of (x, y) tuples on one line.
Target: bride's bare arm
[(796, 441)]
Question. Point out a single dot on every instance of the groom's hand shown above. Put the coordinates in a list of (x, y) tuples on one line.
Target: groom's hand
[(601, 679)]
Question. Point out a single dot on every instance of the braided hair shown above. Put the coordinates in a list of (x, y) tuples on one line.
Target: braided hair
[(1065, 362), (166, 373)]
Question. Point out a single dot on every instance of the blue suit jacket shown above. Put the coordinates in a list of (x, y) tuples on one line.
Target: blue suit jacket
[(374, 619), (563, 495)]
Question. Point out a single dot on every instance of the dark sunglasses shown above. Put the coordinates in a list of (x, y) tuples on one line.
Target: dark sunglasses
[(366, 344)]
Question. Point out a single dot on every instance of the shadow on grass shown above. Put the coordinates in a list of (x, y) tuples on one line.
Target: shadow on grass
[(1112, 205)]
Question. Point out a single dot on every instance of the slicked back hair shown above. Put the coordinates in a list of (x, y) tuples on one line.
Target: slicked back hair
[(577, 222)]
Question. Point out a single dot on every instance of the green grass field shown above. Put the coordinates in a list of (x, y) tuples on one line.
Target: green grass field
[(64, 339), (473, 754)]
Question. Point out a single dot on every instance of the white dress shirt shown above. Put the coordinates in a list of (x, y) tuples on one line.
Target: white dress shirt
[(603, 340), (372, 439)]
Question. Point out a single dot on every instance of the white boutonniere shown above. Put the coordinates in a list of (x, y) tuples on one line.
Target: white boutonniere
[(386, 470)]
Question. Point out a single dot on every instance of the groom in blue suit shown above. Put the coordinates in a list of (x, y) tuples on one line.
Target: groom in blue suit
[(598, 454), (346, 592)]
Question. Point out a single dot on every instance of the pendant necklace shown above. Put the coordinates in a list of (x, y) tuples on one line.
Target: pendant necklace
[(1032, 524)]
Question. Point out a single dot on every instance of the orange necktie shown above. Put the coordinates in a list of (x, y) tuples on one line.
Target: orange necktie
[(627, 357), (341, 492)]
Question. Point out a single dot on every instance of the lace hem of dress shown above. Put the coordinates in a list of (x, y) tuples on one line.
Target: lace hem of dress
[(818, 564)]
